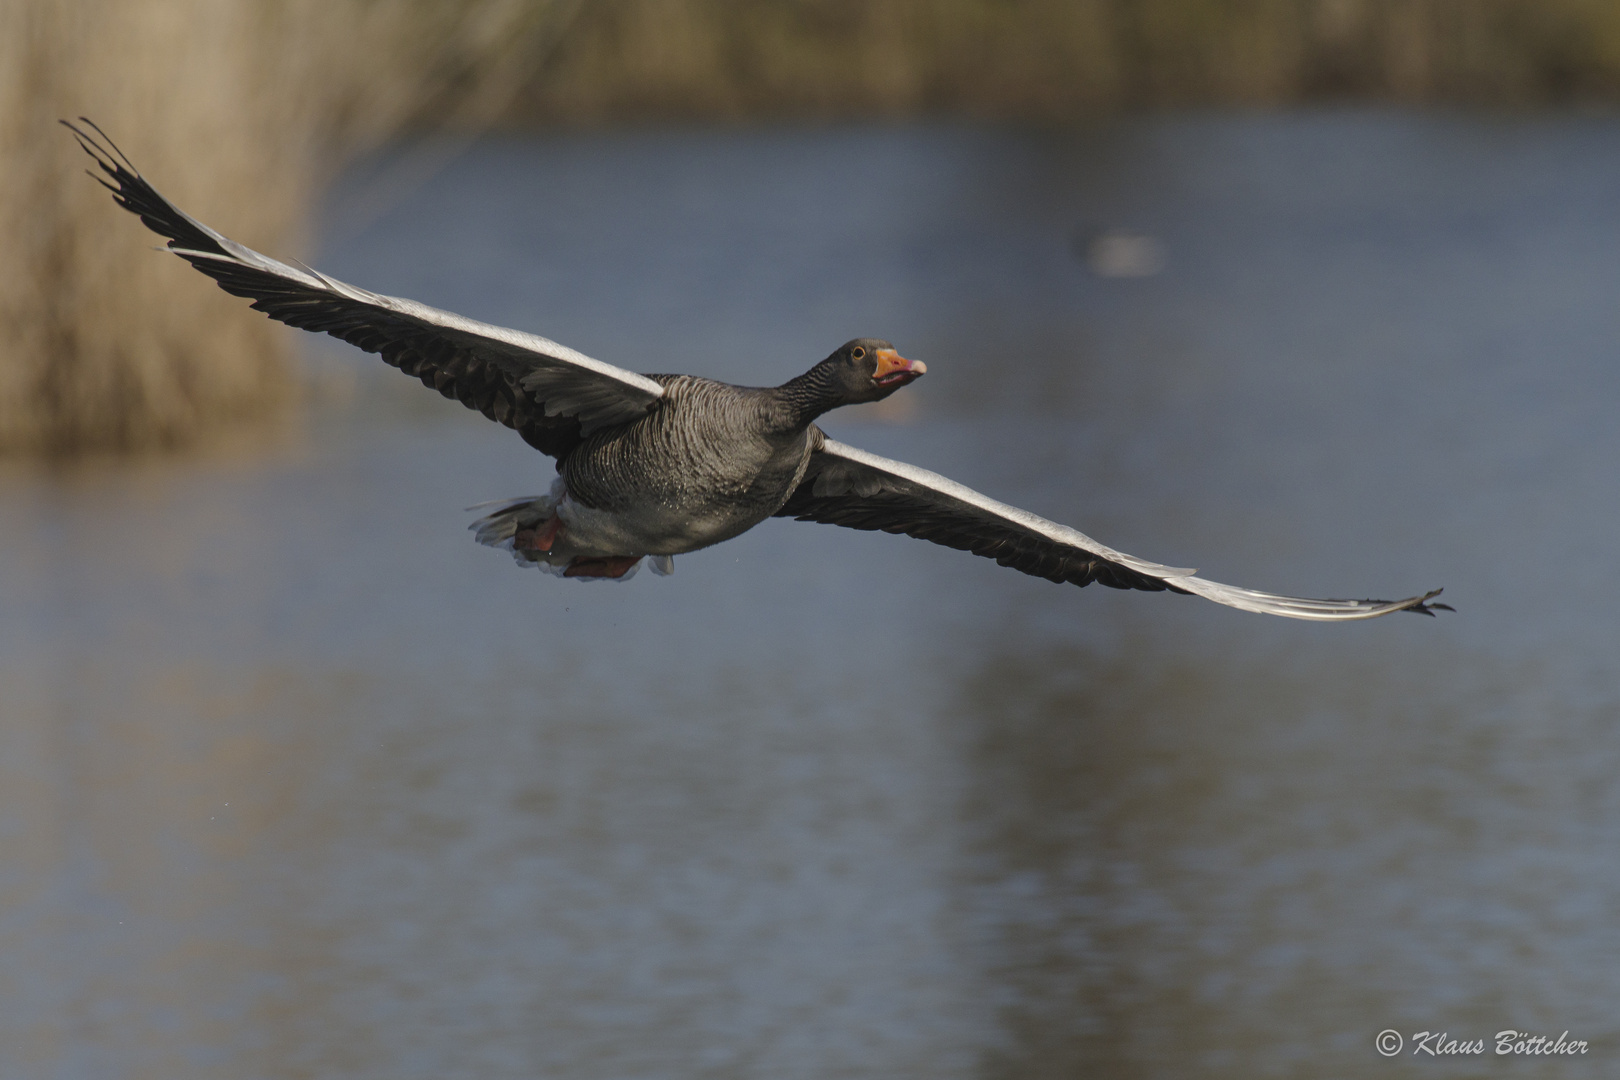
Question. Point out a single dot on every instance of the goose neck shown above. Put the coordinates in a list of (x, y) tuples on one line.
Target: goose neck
[(811, 394)]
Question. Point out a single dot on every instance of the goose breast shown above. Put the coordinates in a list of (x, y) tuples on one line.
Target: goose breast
[(711, 462)]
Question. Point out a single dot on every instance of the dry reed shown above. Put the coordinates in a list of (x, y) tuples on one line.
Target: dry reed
[(1055, 60), (238, 109)]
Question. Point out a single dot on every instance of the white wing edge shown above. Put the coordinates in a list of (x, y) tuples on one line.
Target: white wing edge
[(434, 316), (1291, 607)]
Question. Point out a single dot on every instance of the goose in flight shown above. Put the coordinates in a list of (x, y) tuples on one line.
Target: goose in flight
[(653, 466)]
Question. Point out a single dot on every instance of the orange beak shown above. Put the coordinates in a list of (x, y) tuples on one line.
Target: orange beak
[(893, 368)]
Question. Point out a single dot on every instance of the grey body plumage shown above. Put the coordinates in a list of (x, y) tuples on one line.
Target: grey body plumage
[(711, 462)]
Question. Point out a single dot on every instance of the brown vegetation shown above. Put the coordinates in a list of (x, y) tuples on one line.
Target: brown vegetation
[(240, 109), (1054, 60)]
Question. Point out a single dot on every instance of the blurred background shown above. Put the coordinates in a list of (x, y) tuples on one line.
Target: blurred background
[(1316, 295)]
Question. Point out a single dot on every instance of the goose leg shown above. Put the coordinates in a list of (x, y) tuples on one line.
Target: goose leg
[(615, 566), (540, 539)]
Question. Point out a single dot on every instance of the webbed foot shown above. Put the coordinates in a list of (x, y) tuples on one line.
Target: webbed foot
[(540, 539), (612, 567)]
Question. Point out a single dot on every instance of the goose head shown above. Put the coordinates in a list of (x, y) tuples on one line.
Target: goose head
[(870, 369)]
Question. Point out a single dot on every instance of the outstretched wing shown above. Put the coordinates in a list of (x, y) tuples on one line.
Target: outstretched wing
[(550, 394), (850, 487)]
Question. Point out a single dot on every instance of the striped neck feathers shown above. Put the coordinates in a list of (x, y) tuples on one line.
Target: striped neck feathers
[(815, 392)]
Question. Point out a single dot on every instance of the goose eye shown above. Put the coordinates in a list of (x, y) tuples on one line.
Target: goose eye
[(858, 352)]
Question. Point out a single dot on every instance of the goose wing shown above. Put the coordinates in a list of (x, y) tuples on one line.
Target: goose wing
[(850, 487), (548, 393)]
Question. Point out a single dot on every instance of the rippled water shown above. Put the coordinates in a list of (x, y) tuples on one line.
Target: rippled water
[(296, 780)]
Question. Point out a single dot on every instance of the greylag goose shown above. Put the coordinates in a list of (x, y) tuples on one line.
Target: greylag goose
[(653, 466)]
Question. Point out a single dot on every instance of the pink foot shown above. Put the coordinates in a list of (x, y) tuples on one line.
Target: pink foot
[(539, 539), (613, 567)]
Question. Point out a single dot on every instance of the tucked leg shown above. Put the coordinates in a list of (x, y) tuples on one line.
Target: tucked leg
[(612, 567), (540, 539)]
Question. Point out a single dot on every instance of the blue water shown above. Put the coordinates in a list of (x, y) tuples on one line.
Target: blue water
[(296, 780)]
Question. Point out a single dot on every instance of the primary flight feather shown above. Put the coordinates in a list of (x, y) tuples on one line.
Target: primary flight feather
[(653, 466)]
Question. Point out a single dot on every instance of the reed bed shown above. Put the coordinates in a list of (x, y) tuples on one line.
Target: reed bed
[(242, 109), (1055, 60)]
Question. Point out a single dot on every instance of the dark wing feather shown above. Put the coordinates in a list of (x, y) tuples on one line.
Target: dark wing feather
[(548, 393), (850, 487)]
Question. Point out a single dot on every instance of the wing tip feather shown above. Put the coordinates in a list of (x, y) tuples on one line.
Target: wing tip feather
[(1308, 608)]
